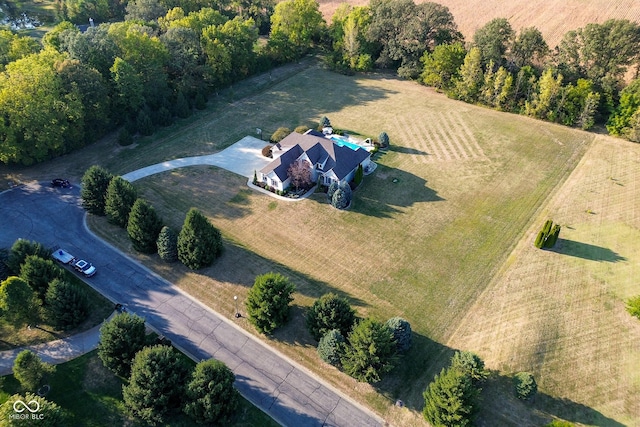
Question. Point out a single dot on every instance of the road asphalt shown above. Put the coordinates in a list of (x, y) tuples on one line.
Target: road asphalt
[(287, 392)]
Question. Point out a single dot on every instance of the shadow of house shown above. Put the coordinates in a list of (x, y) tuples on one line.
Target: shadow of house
[(388, 190), (586, 251)]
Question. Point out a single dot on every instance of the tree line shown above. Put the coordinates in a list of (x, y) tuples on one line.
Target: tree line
[(167, 56)]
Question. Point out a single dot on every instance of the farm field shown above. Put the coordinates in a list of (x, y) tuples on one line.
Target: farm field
[(553, 18), (426, 235)]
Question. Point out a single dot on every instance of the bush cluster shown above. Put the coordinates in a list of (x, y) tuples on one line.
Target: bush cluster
[(548, 236)]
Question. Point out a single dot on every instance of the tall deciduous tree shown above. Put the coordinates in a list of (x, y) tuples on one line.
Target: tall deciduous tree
[(268, 301), (328, 312), (528, 48), (493, 40), (371, 351), (66, 305), (468, 86), (29, 370), (621, 121), (21, 249), (199, 242), (442, 66), (210, 396), (95, 182), (119, 199), (156, 385), (144, 226), (120, 339), (297, 22), (18, 302), (406, 30)]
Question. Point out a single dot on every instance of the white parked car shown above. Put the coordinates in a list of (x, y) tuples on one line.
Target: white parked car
[(80, 265)]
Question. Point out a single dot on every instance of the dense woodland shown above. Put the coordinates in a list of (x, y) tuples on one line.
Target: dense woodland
[(145, 63)]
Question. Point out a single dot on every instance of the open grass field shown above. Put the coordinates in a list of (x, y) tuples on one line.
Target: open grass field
[(468, 183), (92, 397), (552, 17), (560, 313)]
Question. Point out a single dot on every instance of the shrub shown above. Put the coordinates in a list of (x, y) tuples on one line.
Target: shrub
[(119, 199), (268, 301), (167, 244), (329, 312), (66, 305), (124, 137), (560, 423), (266, 151), (633, 306), (401, 331), (279, 134), (525, 385), (210, 395), (143, 227), (95, 182), (324, 123), (383, 138), (200, 101), (301, 129), (29, 370), (341, 199), (199, 242), (181, 107), (331, 347), (370, 353), (144, 124)]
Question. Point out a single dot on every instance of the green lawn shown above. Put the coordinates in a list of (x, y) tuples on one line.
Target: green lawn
[(92, 396), (426, 233)]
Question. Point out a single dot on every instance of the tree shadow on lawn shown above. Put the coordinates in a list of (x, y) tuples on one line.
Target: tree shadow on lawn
[(500, 406), (407, 150), (384, 192), (586, 251)]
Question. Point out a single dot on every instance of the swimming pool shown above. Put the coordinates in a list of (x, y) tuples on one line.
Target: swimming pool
[(342, 142)]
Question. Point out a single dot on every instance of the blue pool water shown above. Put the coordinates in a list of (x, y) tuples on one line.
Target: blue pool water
[(344, 143)]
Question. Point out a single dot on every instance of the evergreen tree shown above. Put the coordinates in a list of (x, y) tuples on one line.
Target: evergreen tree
[(95, 182), (470, 364), (18, 303), (199, 242), (144, 227), (341, 198), (268, 301), (210, 396), (328, 312), (66, 305), (331, 347), (120, 339), (181, 107), (357, 179), (119, 199), (371, 351), (156, 385), (167, 244), (144, 124), (333, 187), (525, 385), (383, 139), (39, 272), (29, 370), (401, 331), (21, 249), (450, 400)]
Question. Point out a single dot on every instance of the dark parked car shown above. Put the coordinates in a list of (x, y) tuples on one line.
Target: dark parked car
[(59, 182)]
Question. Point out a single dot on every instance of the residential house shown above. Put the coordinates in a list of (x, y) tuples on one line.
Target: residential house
[(328, 159)]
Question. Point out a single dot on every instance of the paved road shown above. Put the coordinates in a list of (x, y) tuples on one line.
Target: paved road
[(284, 390)]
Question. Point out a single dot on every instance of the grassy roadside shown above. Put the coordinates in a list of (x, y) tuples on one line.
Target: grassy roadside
[(92, 395)]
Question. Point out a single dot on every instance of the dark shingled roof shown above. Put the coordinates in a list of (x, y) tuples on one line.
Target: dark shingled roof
[(340, 158)]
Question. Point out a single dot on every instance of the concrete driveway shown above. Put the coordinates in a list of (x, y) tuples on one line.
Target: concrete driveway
[(244, 157), (284, 390)]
